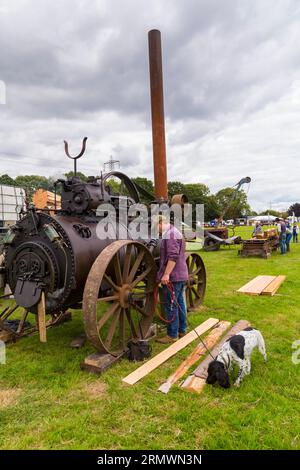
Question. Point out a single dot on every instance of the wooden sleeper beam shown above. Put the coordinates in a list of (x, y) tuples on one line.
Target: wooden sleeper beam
[(41, 318)]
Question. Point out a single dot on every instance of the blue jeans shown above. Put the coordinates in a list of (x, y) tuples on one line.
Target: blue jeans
[(282, 243), (288, 241), (175, 311)]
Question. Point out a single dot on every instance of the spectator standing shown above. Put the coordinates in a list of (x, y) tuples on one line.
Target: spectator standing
[(173, 275), (289, 235), (258, 230), (295, 232), (281, 228)]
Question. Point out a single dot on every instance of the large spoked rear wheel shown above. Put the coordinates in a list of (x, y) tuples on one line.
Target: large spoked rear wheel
[(195, 288), (118, 299)]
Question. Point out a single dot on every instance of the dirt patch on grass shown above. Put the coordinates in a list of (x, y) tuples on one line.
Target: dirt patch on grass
[(96, 389), (89, 391), (9, 396)]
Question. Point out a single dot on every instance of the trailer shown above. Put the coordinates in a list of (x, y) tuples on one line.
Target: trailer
[(261, 245)]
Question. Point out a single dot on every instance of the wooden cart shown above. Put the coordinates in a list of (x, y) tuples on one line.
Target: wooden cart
[(261, 245)]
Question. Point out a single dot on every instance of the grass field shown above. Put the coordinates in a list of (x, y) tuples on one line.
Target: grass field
[(46, 402)]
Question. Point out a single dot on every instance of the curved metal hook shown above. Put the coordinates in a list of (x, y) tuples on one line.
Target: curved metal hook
[(81, 152), (78, 156)]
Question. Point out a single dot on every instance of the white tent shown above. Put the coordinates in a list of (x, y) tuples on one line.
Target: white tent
[(12, 199), (262, 218)]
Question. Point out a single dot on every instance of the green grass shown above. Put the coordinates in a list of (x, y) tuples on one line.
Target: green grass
[(51, 404)]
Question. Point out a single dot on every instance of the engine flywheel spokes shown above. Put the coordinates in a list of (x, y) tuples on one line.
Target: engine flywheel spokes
[(195, 288), (125, 272)]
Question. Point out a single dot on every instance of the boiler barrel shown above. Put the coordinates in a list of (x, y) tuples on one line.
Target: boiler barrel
[(56, 253)]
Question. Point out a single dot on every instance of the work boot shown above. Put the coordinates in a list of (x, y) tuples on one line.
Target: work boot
[(166, 340), (181, 335)]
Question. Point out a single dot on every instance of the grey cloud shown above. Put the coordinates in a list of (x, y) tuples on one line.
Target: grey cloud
[(81, 68)]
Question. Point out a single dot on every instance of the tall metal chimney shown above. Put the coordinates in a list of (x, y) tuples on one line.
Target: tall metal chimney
[(158, 119)]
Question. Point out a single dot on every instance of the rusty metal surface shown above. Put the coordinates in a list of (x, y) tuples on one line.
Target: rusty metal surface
[(221, 232), (179, 199), (211, 244), (157, 112), (67, 262), (126, 272), (196, 285)]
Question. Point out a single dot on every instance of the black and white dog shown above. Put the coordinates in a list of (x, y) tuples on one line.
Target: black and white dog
[(237, 349)]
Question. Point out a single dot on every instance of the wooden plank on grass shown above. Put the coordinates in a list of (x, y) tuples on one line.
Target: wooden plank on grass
[(41, 318), (164, 355), (256, 285), (196, 381), (98, 362), (273, 287), (193, 384), (201, 350)]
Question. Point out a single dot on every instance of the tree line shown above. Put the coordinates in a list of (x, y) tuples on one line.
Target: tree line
[(226, 202)]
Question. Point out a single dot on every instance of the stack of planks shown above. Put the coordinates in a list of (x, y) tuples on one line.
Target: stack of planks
[(262, 285), (43, 199), (210, 347)]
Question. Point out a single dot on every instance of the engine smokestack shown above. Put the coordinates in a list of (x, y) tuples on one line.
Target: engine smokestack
[(158, 118)]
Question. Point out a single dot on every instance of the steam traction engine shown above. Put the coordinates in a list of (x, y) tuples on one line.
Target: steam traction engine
[(56, 262), (53, 263)]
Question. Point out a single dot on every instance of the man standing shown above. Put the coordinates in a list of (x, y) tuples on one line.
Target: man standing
[(172, 274), (295, 232), (289, 235), (281, 228), (258, 231)]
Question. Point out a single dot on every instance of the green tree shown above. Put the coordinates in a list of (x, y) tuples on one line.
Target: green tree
[(175, 187), (197, 193), (31, 183), (80, 175), (7, 180), (294, 208), (114, 185), (271, 212), (232, 203), (145, 183), (211, 208)]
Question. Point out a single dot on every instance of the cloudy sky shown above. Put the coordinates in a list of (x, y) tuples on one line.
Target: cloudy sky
[(232, 89)]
